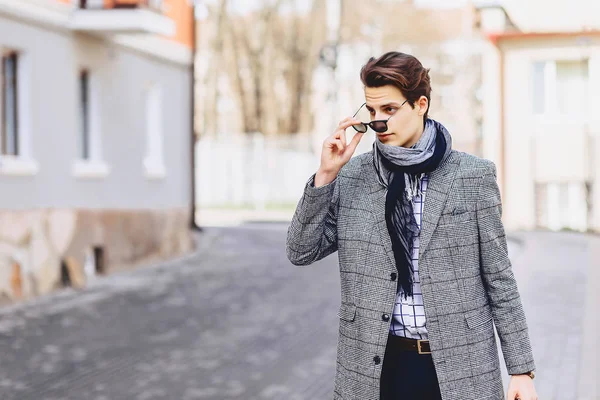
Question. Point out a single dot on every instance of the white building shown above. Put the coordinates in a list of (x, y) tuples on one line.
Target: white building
[(95, 158), (541, 90)]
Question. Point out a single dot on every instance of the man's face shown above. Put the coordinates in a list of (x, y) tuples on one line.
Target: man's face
[(406, 123)]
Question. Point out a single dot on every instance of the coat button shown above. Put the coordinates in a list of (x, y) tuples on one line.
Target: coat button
[(393, 276), (377, 360), (385, 317)]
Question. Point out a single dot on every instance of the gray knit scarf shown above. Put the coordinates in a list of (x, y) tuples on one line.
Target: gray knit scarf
[(400, 170)]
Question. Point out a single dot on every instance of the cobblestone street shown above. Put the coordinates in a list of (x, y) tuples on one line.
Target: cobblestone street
[(237, 321)]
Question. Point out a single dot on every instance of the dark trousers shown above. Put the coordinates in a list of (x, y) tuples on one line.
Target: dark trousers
[(407, 375)]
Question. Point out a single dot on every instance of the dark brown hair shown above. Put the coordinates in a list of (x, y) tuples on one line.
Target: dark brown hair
[(402, 71)]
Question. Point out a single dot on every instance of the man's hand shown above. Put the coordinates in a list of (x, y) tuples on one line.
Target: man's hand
[(521, 387), (336, 152)]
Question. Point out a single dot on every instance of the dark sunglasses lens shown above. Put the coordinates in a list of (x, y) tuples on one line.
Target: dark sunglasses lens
[(379, 126), (362, 128)]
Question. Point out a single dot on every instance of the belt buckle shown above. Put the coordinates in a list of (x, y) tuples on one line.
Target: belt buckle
[(419, 346)]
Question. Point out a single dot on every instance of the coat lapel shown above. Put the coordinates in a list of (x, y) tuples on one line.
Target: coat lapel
[(438, 188), (376, 198)]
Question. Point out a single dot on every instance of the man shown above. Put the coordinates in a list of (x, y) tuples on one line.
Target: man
[(423, 259)]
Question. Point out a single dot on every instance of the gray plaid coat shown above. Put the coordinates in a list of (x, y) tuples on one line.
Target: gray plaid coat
[(466, 276)]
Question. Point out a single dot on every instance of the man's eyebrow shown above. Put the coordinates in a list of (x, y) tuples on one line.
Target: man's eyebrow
[(391, 103)]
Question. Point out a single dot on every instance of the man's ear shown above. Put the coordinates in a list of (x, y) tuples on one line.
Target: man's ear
[(423, 105)]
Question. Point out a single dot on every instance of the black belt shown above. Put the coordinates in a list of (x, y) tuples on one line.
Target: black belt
[(401, 343)]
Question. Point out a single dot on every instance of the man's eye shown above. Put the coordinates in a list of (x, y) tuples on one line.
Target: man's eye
[(390, 110)]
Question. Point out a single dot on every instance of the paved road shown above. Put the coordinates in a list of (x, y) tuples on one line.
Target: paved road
[(237, 321), (558, 279)]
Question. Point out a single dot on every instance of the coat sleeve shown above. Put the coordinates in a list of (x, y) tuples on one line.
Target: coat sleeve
[(312, 234), (502, 291)]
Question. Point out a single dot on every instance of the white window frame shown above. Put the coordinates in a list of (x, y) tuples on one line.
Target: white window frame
[(22, 164), (94, 166), (551, 110), (154, 161)]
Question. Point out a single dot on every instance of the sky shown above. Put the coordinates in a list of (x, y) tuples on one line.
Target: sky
[(243, 6), (529, 15)]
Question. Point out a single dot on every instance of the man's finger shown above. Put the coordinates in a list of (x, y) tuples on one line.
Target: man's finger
[(347, 124), (343, 136), (338, 143), (355, 140), (344, 121)]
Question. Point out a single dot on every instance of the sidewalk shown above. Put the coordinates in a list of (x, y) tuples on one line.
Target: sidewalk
[(237, 217), (589, 366), (558, 279)]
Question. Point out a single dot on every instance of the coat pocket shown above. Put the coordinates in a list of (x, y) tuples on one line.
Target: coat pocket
[(478, 317), (347, 311), (457, 216)]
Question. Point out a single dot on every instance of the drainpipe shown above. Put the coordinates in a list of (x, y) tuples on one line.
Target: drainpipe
[(193, 224), (502, 160), (501, 164)]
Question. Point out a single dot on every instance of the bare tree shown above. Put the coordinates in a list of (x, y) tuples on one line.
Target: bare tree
[(269, 56), (250, 38), (210, 85), (303, 39)]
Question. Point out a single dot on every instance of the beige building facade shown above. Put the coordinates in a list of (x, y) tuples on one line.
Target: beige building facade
[(541, 126)]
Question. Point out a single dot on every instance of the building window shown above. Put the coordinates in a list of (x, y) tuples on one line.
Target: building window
[(539, 92), (89, 162), (154, 164), (571, 86), (91, 4), (10, 128), (15, 115), (99, 4), (94, 261), (84, 114), (563, 205), (156, 5), (560, 87)]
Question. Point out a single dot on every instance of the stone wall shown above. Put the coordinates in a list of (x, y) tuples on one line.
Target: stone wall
[(42, 250)]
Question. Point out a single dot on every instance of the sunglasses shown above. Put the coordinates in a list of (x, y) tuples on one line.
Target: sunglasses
[(378, 126)]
